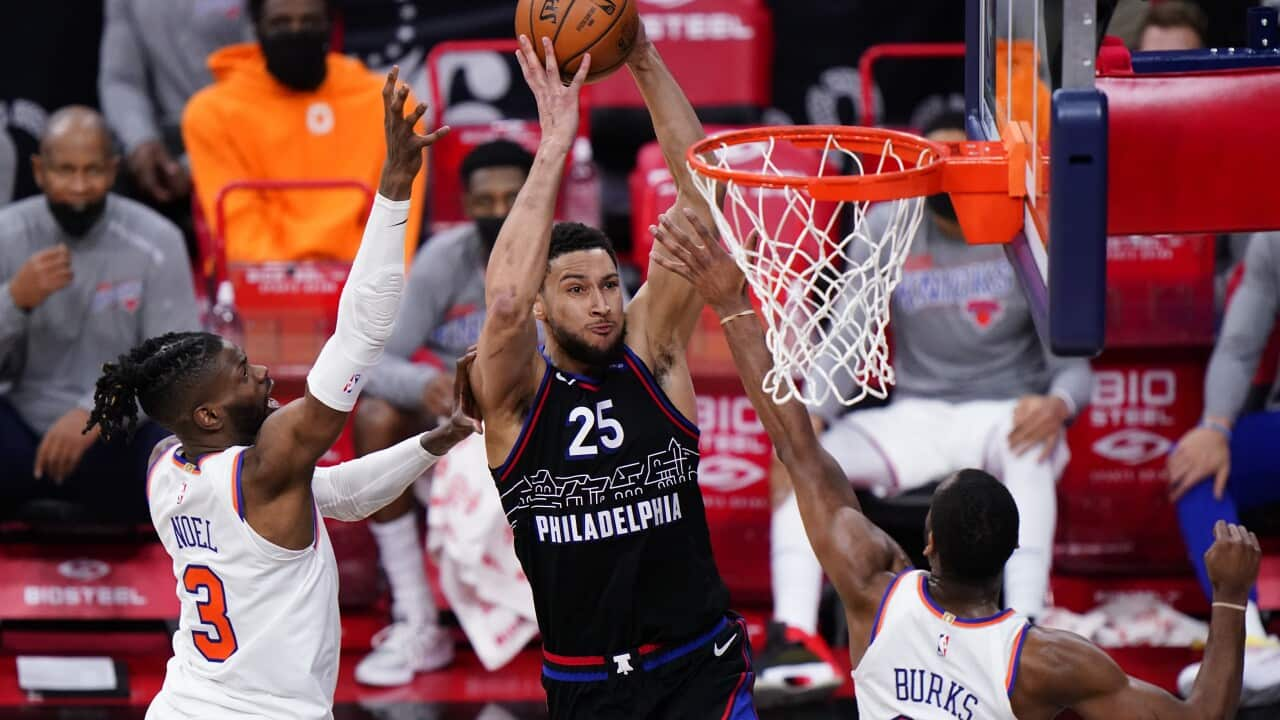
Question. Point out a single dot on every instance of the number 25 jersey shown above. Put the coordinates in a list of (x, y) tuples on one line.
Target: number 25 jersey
[(601, 490)]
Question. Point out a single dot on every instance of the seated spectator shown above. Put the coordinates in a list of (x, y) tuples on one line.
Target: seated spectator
[(1229, 462), (84, 276), (442, 312), (153, 61), (285, 108), (1173, 25), (975, 388)]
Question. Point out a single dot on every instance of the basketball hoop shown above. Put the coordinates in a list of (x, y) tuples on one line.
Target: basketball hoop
[(825, 290)]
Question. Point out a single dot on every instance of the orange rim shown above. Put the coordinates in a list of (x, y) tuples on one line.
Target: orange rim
[(986, 180), (925, 178)]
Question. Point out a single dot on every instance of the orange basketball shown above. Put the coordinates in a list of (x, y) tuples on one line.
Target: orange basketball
[(604, 28)]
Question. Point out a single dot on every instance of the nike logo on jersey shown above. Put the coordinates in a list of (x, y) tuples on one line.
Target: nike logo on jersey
[(720, 649)]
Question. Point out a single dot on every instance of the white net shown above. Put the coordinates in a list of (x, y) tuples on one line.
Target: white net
[(822, 273)]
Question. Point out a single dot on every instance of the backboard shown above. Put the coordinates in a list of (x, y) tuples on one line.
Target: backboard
[(1060, 256)]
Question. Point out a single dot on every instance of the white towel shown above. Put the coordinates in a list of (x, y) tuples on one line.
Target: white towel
[(471, 543)]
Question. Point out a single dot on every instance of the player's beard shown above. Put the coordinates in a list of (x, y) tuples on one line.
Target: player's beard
[(247, 419), (582, 351)]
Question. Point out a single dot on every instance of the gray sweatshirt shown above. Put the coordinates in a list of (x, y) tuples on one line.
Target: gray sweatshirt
[(442, 311), (962, 329), (1245, 329), (131, 282), (153, 60)]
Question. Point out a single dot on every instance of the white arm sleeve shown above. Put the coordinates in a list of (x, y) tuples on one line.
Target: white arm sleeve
[(366, 310), (358, 488)]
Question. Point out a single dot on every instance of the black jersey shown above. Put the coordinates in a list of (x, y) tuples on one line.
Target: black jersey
[(601, 490)]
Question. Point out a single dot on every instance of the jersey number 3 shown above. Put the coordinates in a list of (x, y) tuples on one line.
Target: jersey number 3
[(220, 644), (609, 433)]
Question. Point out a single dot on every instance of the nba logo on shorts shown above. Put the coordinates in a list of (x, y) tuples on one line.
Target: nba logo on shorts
[(351, 384), (944, 641)]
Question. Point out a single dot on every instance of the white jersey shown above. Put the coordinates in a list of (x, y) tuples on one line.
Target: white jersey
[(923, 663), (258, 635)]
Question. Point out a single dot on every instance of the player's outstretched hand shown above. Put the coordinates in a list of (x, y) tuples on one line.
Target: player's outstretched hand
[(699, 258), (463, 423), (1232, 562), (557, 102), (405, 146)]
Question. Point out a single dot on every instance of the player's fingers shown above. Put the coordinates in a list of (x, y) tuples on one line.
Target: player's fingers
[(522, 59), (1220, 530), (678, 268), (677, 244), (390, 84), (704, 233), (549, 64), (580, 77), (752, 242), (434, 136), (1253, 542), (415, 114)]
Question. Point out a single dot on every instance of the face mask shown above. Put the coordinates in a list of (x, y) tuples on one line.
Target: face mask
[(941, 206), (296, 59), (77, 220), (488, 228)]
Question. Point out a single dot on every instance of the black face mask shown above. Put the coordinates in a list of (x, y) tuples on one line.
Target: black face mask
[(77, 220), (488, 227), (296, 59), (941, 206)]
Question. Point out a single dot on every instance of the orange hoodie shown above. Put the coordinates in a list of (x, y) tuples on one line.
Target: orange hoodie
[(246, 125)]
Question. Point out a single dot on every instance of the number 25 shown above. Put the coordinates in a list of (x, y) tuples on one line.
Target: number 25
[(609, 435)]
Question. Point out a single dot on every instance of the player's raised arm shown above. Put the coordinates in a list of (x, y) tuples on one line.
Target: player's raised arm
[(1061, 670), (293, 438), (518, 261), (854, 552), (668, 306)]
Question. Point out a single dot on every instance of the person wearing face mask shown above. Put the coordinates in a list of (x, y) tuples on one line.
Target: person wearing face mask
[(443, 310), (84, 275), (975, 388), (287, 108)]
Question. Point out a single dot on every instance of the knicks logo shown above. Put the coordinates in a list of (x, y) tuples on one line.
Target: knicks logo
[(984, 313)]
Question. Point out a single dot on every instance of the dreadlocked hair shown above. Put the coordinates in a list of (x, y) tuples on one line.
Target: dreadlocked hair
[(157, 375)]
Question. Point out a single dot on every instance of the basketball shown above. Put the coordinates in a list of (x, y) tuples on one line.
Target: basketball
[(604, 28)]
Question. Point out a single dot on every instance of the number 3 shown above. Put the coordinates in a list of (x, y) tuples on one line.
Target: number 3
[(212, 611), (610, 435)]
